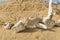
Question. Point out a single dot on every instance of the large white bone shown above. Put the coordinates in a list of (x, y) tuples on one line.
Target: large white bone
[(19, 27), (50, 7)]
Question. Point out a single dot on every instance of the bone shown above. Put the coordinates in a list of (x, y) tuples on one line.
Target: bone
[(8, 25), (48, 20), (42, 26), (36, 20), (18, 27), (49, 16)]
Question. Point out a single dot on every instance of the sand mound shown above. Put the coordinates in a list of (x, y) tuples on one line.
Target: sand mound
[(13, 10)]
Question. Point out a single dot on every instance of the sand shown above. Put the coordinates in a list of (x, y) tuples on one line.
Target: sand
[(14, 10)]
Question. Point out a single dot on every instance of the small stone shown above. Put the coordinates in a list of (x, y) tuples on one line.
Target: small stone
[(8, 25)]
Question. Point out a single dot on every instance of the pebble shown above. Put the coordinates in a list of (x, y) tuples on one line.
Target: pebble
[(8, 25)]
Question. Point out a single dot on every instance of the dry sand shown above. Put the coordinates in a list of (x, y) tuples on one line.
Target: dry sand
[(14, 10)]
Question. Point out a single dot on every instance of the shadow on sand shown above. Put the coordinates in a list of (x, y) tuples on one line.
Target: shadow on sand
[(31, 30)]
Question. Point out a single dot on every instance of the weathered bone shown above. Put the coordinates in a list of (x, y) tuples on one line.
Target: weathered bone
[(19, 26), (50, 23), (37, 20), (42, 26), (49, 12), (58, 11)]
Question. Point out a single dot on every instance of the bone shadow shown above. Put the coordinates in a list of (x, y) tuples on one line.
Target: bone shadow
[(56, 26), (29, 30), (50, 29)]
